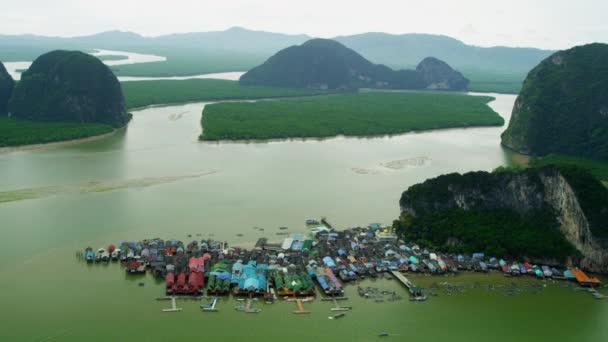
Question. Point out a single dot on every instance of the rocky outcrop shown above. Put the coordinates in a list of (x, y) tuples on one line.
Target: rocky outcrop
[(69, 86), (563, 106), (525, 192), (574, 223), (438, 75), (6, 88)]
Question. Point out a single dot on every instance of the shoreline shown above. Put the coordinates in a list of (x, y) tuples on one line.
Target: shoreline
[(235, 99), (29, 147), (340, 136)]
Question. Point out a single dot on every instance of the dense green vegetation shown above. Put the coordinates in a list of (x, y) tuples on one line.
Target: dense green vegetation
[(369, 113), (325, 63), (69, 86), (22, 132), (509, 212), (499, 233), (562, 107), (487, 81), (145, 93), (187, 65), (597, 168)]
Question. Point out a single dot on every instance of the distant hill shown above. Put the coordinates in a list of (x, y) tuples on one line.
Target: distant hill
[(406, 50), (563, 106), (500, 69), (324, 63), (69, 86), (236, 39), (396, 51)]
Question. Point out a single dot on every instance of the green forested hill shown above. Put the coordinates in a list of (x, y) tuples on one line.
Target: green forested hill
[(325, 63), (69, 86), (563, 106)]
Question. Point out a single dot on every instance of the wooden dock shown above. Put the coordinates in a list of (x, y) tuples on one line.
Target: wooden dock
[(300, 309), (210, 307), (414, 290), (173, 307), (338, 307)]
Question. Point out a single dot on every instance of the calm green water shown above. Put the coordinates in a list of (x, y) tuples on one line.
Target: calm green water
[(156, 179)]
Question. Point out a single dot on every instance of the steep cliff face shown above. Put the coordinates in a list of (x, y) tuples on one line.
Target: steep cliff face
[(563, 106), (526, 193), (6, 88), (574, 223), (69, 86)]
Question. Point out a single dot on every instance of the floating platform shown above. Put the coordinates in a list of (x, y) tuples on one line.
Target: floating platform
[(414, 290), (584, 279), (174, 307), (300, 309), (211, 306)]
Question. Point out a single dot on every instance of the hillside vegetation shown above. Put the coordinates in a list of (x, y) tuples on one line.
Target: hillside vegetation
[(69, 86), (563, 106), (24, 132), (511, 213), (371, 113), (327, 64), (597, 168), (145, 93)]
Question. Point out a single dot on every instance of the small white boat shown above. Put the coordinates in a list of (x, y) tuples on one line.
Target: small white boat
[(105, 256), (99, 254)]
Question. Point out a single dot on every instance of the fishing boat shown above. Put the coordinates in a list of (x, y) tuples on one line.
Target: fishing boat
[(98, 255), (523, 269), (515, 270), (123, 255), (115, 254), (557, 274), (569, 275), (105, 256), (547, 271), (169, 282), (89, 255), (340, 315), (135, 267)]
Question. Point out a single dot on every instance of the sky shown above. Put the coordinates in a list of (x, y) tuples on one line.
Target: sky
[(551, 24)]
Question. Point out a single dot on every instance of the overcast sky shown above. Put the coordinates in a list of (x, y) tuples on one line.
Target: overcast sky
[(551, 24)]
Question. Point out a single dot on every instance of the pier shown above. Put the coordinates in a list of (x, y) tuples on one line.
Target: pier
[(173, 307), (210, 307), (300, 309), (414, 290)]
